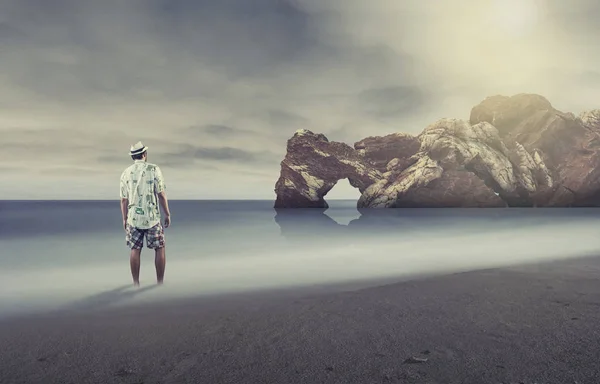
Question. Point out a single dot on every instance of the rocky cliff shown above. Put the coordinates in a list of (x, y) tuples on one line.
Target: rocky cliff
[(513, 151)]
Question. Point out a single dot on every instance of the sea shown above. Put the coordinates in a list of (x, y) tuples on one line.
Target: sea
[(58, 255)]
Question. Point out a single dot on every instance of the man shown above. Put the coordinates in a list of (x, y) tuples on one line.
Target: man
[(142, 184)]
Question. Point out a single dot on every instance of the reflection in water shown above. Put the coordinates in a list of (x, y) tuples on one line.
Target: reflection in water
[(306, 224), (315, 224)]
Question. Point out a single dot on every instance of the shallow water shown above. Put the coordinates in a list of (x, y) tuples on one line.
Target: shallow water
[(57, 254)]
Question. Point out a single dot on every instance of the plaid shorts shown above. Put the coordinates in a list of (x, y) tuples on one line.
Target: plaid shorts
[(155, 237)]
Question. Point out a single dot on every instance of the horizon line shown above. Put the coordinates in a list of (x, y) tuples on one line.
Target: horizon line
[(42, 200)]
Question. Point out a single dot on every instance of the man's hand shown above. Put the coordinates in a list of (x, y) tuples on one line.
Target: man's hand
[(167, 221), (125, 225)]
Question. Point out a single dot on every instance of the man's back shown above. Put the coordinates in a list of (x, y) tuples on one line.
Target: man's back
[(140, 183)]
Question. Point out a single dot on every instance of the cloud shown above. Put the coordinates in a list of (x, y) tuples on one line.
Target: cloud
[(220, 130), (392, 101), (285, 118), (222, 154), (216, 88)]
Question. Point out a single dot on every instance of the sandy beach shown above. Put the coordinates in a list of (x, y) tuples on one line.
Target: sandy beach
[(531, 324)]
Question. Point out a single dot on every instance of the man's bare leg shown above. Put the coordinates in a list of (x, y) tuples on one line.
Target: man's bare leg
[(134, 261), (160, 263)]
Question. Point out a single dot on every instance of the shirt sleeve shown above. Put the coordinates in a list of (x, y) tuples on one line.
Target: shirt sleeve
[(124, 191), (159, 181)]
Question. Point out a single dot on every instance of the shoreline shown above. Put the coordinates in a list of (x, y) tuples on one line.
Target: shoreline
[(79, 307), (534, 323)]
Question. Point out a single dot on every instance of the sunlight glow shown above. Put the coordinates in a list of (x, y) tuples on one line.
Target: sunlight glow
[(515, 17)]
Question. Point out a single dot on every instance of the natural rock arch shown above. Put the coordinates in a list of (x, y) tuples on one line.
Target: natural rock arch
[(313, 165)]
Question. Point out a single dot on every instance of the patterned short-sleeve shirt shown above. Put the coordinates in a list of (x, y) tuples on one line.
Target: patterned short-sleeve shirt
[(140, 183)]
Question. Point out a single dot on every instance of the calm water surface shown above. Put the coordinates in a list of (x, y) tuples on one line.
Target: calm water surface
[(54, 254)]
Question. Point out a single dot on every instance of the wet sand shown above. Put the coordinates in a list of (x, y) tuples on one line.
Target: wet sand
[(530, 324)]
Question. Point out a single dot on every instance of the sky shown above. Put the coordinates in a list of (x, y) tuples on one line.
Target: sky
[(216, 88)]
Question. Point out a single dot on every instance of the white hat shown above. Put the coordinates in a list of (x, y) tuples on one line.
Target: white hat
[(137, 148)]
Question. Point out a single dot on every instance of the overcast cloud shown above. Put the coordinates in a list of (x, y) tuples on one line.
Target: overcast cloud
[(215, 88)]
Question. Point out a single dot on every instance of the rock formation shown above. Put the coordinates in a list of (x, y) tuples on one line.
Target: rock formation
[(513, 151)]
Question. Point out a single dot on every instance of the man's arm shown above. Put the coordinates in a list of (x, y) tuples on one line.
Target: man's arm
[(160, 189), (124, 194), (164, 203), (124, 209)]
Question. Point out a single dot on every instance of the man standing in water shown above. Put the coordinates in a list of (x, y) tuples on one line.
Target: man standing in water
[(142, 184)]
